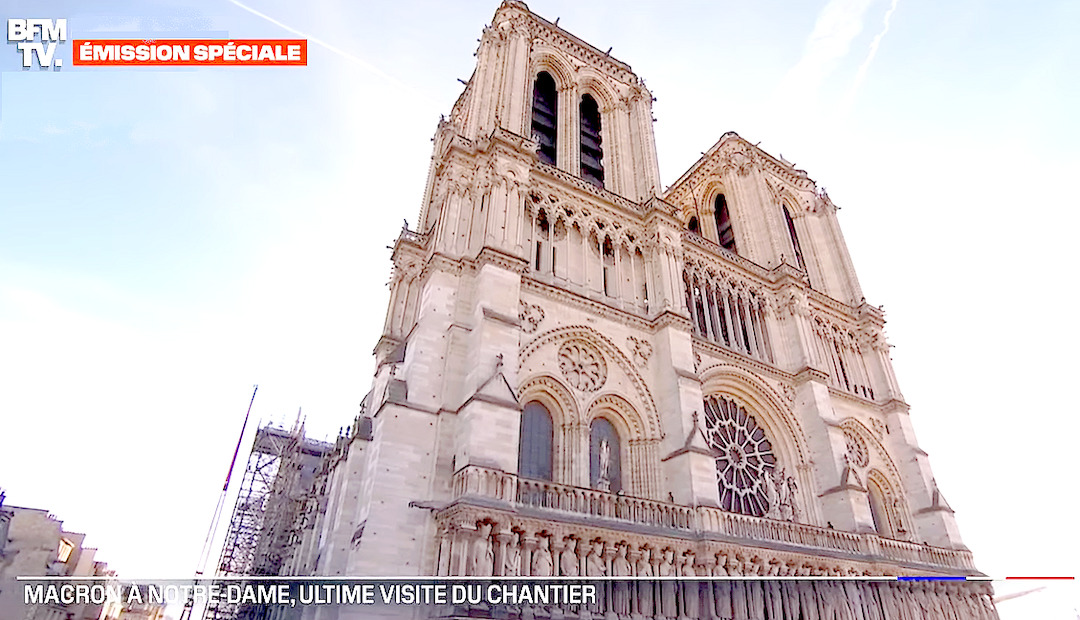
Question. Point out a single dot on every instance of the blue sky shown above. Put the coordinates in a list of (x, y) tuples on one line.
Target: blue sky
[(169, 238)]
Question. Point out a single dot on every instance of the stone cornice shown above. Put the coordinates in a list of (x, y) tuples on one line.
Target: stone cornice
[(685, 183), (895, 405), (709, 163), (708, 250), (491, 400), (846, 395), (735, 357), (543, 289), (658, 208), (690, 450), (686, 374), (614, 68), (808, 374), (783, 171), (559, 179), (670, 318), (505, 142), (492, 256), (512, 321)]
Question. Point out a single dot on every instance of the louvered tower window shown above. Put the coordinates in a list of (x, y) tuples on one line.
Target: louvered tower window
[(545, 116), (592, 154), (724, 232), (794, 238), (693, 226)]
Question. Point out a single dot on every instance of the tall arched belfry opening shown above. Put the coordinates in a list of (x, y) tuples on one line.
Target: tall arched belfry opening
[(582, 373)]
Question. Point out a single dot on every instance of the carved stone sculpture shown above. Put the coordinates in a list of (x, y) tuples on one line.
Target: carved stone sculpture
[(667, 588), (541, 564), (482, 561), (691, 592), (645, 587), (569, 563), (620, 567)]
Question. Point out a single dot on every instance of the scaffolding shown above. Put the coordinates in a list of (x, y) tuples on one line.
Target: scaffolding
[(277, 495)]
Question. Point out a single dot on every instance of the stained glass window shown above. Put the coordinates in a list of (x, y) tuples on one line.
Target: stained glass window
[(535, 443), (745, 459)]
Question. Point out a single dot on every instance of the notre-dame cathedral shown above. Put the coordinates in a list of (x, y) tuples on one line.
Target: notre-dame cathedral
[(584, 374)]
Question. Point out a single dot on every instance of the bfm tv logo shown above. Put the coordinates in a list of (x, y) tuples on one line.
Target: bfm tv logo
[(26, 31)]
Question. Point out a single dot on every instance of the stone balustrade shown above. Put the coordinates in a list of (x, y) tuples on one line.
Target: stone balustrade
[(639, 515)]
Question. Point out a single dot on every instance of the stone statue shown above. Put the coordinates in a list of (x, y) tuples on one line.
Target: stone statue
[(541, 563), (897, 511), (807, 596), (755, 590), (620, 567), (594, 567), (790, 590), (774, 603), (645, 587), (789, 510), (512, 560), (569, 563), (691, 590), (603, 479), (856, 609), (772, 483), (722, 588), (667, 587), (739, 609), (483, 553)]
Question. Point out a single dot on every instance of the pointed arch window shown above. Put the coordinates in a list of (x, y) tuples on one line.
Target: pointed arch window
[(545, 114), (694, 226), (877, 509), (724, 232), (794, 238), (535, 443), (592, 152), (605, 467)]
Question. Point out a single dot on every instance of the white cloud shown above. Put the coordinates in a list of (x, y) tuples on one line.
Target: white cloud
[(836, 27)]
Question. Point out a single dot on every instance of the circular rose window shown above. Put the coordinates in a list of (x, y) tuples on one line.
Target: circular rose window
[(745, 458), (582, 365)]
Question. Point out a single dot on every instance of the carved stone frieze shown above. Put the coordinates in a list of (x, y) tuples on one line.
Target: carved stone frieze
[(856, 449), (788, 392), (879, 428), (640, 350), (530, 315), (736, 159)]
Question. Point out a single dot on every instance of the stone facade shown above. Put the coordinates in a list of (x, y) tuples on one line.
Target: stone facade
[(34, 543), (716, 330)]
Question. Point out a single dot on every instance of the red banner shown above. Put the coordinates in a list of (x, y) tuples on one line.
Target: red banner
[(188, 52)]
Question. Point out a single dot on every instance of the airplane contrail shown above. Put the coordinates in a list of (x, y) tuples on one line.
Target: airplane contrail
[(340, 52), (860, 75)]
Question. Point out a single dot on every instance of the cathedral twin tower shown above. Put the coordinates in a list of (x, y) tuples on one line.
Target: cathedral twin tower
[(582, 374)]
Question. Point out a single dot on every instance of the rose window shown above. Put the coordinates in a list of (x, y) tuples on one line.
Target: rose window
[(745, 459), (582, 365)]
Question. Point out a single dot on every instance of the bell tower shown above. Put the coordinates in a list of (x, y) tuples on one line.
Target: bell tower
[(582, 374)]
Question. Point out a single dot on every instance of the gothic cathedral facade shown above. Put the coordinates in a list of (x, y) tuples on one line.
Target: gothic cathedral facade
[(583, 374)]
